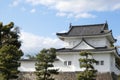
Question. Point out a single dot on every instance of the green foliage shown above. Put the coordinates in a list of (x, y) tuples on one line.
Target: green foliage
[(30, 56), (44, 65), (87, 63), (9, 51)]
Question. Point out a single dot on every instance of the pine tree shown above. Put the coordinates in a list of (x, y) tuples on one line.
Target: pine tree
[(10, 52), (44, 65), (30, 56), (87, 62)]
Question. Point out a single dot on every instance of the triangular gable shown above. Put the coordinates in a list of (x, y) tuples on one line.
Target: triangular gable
[(83, 45)]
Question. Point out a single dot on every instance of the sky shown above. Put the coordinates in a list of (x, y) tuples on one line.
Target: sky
[(40, 20)]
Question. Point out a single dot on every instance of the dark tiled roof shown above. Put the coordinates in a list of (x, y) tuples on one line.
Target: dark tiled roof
[(78, 50), (86, 30), (28, 60), (99, 49), (33, 60)]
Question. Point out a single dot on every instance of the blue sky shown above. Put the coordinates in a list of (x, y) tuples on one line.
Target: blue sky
[(39, 20)]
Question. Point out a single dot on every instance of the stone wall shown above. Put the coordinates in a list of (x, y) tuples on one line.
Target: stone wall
[(27, 76), (67, 76)]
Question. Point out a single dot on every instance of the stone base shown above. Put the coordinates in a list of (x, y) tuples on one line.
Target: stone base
[(27, 76), (67, 76)]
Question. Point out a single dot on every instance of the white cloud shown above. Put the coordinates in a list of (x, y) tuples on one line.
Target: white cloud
[(32, 10), (116, 6), (33, 44), (61, 14), (63, 31), (84, 15), (15, 3), (43, 2), (118, 39), (78, 8), (23, 9)]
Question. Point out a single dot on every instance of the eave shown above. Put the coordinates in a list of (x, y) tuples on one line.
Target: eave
[(92, 50), (34, 60), (108, 35), (96, 51)]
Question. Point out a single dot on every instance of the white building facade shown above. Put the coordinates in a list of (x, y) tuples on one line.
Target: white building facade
[(97, 39)]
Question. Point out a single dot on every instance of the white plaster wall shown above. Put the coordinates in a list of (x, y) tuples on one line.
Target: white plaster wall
[(74, 57), (83, 45), (27, 66), (60, 63), (103, 57), (72, 42), (96, 42), (109, 63), (113, 66)]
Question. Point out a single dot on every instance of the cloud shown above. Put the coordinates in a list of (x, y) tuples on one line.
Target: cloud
[(118, 39), (85, 15), (32, 10), (15, 3), (78, 8), (23, 9), (43, 2), (32, 44), (61, 14)]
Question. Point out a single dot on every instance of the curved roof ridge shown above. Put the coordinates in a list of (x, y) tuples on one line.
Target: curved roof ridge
[(85, 29), (105, 26), (77, 44), (88, 25), (88, 43), (85, 42)]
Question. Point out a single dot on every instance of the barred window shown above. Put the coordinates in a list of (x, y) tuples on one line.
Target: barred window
[(67, 63)]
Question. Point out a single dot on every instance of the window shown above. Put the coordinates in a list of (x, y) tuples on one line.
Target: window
[(97, 63), (67, 63), (102, 62)]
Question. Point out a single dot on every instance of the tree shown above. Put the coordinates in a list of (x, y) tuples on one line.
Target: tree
[(30, 56), (87, 62), (44, 65), (10, 51)]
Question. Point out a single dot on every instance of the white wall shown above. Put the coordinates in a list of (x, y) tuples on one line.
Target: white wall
[(83, 45), (103, 57), (96, 42), (113, 66), (27, 66), (109, 63), (74, 57), (70, 43), (61, 65)]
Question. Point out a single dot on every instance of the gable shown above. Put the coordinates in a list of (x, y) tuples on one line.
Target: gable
[(83, 45)]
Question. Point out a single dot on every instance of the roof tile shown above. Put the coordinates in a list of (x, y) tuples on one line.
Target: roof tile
[(86, 30)]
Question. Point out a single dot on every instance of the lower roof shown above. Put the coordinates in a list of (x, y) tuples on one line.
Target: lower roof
[(91, 50), (78, 50), (96, 50)]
